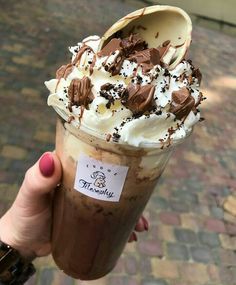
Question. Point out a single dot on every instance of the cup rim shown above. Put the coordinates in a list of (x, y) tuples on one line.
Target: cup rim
[(95, 134), (75, 127)]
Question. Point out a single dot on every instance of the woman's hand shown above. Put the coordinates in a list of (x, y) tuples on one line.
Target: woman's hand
[(27, 224)]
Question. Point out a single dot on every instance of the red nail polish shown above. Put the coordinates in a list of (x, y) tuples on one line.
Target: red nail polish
[(135, 236), (145, 223), (46, 165)]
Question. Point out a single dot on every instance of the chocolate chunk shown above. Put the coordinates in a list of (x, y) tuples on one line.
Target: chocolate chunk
[(132, 44), (182, 103), (125, 48), (108, 49), (146, 59), (107, 86), (115, 67), (115, 137), (79, 92), (149, 56), (163, 50), (109, 97), (139, 99)]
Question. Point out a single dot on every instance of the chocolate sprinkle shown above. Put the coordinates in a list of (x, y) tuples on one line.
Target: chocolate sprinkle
[(197, 74), (166, 43)]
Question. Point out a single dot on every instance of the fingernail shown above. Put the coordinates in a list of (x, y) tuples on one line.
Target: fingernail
[(46, 165), (135, 236), (145, 223)]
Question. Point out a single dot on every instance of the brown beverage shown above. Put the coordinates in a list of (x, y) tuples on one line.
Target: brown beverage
[(126, 100), (90, 234)]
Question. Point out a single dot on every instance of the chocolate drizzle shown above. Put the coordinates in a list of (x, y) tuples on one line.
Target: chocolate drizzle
[(64, 71), (136, 16), (92, 65), (200, 99), (110, 47), (138, 95), (82, 50), (79, 93), (182, 103), (139, 99)]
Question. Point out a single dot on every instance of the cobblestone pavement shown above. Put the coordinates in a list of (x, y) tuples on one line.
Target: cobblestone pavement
[(192, 239)]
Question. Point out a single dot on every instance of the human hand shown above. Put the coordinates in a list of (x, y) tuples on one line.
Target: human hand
[(27, 224), (141, 226)]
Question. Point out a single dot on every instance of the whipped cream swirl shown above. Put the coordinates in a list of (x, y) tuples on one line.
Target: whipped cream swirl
[(126, 93)]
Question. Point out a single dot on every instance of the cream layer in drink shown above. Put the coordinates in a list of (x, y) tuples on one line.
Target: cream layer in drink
[(123, 106)]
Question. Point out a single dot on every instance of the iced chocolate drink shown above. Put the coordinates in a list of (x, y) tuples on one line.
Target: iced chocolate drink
[(124, 102), (90, 233)]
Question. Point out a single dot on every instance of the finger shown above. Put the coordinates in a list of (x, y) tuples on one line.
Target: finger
[(40, 180), (142, 225), (133, 237)]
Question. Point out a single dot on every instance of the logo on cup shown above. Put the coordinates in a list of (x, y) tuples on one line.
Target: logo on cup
[(100, 179)]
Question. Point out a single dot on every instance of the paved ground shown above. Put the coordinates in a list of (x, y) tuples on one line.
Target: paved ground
[(192, 239)]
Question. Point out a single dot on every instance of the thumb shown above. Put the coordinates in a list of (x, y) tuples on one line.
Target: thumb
[(39, 182)]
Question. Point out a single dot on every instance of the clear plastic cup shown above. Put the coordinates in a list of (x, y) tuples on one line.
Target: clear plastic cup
[(104, 190)]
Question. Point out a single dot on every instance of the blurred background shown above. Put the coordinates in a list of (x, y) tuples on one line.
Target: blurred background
[(192, 236)]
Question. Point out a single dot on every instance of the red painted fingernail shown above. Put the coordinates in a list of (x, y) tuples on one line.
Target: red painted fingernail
[(46, 165), (133, 237), (145, 223)]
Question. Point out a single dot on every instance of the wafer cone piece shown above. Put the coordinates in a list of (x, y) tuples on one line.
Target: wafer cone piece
[(157, 25)]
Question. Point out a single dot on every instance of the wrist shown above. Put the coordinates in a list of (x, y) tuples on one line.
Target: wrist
[(10, 237), (15, 261), (14, 270)]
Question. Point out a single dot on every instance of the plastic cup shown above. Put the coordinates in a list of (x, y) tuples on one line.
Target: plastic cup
[(104, 190)]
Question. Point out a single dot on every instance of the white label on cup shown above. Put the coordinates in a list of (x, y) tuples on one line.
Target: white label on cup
[(99, 180)]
